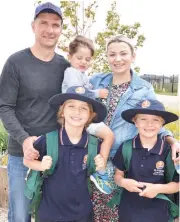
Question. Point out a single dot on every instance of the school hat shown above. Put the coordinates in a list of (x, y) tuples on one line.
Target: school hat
[(82, 94), (152, 107), (48, 7)]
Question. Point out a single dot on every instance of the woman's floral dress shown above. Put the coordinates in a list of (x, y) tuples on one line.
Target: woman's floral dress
[(102, 213)]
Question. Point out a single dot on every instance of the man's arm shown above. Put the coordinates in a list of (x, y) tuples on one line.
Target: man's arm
[(9, 87)]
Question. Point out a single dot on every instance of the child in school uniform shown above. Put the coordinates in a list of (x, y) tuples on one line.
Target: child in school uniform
[(65, 195), (81, 51), (145, 178)]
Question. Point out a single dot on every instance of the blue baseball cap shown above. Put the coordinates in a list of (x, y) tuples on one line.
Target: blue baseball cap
[(82, 94), (151, 107), (48, 7)]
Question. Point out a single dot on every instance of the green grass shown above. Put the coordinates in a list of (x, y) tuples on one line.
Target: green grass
[(3, 138), (174, 127), (166, 93)]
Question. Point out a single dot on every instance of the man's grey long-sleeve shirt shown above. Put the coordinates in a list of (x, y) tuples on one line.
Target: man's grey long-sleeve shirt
[(26, 85)]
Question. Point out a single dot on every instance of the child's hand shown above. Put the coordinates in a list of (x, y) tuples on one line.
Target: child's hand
[(132, 185), (99, 162), (150, 191), (103, 93), (46, 163)]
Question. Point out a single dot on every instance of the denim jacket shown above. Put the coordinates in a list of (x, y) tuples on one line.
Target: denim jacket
[(139, 89)]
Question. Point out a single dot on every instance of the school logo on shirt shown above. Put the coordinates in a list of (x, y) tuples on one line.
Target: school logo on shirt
[(160, 165), (145, 104), (85, 159), (84, 165), (159, 171), (80, 90)]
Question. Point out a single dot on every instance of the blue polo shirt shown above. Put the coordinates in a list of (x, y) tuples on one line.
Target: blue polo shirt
[(65, 195), (146, 166)]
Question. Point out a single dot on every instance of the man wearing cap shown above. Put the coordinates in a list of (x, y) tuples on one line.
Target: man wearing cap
[(29, 78)]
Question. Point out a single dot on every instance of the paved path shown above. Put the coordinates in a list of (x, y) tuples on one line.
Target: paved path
[(171, 102), (3, 215)]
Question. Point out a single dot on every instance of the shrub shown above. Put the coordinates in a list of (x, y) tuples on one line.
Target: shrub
[(3, 139), (174, 126)]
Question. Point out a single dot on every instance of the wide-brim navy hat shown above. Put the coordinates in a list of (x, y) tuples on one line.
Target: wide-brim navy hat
[(151, 107), (82, 94), (48, 7)]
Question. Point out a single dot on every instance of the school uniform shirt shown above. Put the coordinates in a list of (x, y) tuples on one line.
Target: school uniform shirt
[(65, 195), (146, 166)]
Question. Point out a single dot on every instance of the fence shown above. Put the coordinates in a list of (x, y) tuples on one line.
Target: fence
[(163, 83)]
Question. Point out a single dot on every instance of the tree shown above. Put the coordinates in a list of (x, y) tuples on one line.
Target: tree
[(114, 27), (80, 17), (78, 21)]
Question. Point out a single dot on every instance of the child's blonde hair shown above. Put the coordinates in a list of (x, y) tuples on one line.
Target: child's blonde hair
[(61, 120)]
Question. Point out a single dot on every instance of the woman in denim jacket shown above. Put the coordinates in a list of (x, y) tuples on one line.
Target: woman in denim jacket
[(125, 90)]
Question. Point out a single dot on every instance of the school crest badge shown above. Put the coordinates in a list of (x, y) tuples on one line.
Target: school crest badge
[(85, 159), (80, 90), (159, 170), (145, 104), (84, 165), (160, 165)]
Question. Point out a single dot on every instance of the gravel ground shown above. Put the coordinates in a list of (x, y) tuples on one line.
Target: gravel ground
[(3, 215)]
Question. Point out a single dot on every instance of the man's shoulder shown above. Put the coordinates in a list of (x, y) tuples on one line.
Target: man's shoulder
[(62, 60), (19, 54)]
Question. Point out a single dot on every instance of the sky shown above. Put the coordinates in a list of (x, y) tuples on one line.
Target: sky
[(159, 21)]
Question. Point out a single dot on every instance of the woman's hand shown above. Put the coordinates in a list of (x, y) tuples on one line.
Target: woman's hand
[(175, 150)]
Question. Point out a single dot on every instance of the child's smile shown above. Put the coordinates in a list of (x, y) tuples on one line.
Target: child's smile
[(148, 125), (76, 113)]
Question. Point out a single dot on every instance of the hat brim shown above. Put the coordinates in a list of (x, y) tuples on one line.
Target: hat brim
[(98, 107), (167, 116)]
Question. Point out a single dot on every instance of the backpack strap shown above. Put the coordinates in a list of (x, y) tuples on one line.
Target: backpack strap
[(34, 180), (92, 152), (52, 147), (173, 208), (169, 169), (169, 174), (127, 155)]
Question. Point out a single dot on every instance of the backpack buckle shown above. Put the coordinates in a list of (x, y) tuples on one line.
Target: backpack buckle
[(27, 174)]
